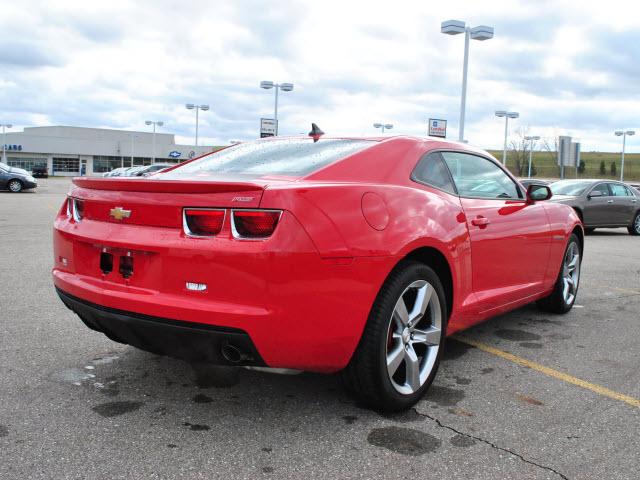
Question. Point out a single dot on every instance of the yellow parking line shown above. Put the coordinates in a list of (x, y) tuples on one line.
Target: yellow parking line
[(634, 402)]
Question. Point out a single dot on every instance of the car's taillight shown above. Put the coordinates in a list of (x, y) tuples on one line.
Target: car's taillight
[(203, 222), (78, 209), (75, 209), (254, 223)]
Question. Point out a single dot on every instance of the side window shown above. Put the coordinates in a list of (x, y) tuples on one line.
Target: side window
[(618, 190), (602, 188), (479, 177), (432, 171)]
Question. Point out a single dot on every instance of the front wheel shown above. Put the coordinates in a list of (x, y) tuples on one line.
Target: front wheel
[(400, 349), (565, 290), (634, 228), (15, 186)]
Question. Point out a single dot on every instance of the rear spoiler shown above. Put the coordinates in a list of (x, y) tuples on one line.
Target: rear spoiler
[(165, 186)]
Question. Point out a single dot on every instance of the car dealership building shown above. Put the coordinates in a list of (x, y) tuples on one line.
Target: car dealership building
[(71, 151)]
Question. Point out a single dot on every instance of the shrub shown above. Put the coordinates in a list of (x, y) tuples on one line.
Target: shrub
[(603, 168), (582, 167), (613, 169)]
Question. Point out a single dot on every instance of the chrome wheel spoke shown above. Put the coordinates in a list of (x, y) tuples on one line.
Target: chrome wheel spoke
[(423, 298), (394, 359), (400, 312), (413, 369), (430, 337)]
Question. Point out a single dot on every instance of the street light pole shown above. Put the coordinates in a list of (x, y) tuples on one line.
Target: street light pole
[(154, 123), (285, 87), (623, 134), (192, 106), (507, 116), (531, 139), (383, 126), (4, 140), (481, 32)]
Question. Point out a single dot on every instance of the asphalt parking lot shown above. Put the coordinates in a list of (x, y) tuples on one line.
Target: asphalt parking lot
[(537, 396)]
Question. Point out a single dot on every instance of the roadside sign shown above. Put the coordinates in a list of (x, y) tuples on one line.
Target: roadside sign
[(437, 128), (574, 154), (564, 150), (268, 127)]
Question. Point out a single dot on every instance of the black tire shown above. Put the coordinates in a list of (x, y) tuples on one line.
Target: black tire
[(634, 228), (14, 186), (366, 377), (556, 302), (589, 230)]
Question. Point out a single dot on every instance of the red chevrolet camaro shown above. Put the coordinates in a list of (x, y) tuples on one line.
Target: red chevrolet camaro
[(323, 255)]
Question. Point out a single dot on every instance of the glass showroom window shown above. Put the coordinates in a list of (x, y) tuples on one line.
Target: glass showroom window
[(26, 163), (102, 164), (66, 165), (139, 161)]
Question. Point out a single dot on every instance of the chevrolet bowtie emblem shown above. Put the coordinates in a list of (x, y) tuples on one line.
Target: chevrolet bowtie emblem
[(119, 213)]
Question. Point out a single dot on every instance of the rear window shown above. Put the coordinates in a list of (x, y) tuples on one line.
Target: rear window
[(289, 157)]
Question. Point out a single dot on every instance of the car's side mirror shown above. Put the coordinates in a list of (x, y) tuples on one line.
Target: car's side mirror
[(595, 193), (536, 193)]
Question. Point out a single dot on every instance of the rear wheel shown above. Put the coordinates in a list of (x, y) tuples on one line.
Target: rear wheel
[(565, 290), (15, 186), (400, 349), (634, 228)]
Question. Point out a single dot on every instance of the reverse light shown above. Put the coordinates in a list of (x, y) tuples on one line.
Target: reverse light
[(254, 224), (75, 209), (202, 222)]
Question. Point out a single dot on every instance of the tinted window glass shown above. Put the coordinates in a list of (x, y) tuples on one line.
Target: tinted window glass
[(618, 190), (478, 177), (602, 188), (432, 171), (569, 187), (294, 157)]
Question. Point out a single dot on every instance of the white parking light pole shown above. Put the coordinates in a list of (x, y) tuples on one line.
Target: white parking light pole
[(531, 139), (154, 123), (197, 108), (481, 32), (383, 126), (4, 140), (285, 87), (507, 116), (623, 134)]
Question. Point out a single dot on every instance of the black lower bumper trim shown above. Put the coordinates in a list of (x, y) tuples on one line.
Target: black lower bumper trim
[(194, 342)]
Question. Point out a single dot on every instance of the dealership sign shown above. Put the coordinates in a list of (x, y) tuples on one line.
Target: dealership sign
[(437, 128), (268, 127), (175, 154), (13, 148)]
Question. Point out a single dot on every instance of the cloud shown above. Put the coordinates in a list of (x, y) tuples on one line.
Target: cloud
[(352, 63)]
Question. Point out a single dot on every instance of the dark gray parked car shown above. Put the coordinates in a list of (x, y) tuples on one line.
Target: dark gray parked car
[(15, 179), (600, 203)]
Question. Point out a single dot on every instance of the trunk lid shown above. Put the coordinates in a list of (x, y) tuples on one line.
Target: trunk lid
[(159, 203)]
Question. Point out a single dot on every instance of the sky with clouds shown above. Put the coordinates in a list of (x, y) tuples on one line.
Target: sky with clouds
[(568, 67)]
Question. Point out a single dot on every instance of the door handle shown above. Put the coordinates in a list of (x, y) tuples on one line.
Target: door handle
[(480, 221), (609, 201)]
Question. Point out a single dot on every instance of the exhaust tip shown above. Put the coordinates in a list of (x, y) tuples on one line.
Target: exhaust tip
[(231, 354)]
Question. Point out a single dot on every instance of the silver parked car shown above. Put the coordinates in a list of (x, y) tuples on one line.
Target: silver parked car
[(600, 203)]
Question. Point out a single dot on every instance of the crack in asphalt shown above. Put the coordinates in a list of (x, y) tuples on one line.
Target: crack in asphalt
[(492, 445)]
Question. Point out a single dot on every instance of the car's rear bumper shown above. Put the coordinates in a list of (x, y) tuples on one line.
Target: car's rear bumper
[(195, 342)]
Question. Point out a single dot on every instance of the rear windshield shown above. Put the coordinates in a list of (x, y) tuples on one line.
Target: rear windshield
[(288, 157)]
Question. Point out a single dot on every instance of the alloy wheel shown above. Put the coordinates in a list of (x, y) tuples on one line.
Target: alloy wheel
[(15, 186), (637, 224), (413, 338), (570, 273)]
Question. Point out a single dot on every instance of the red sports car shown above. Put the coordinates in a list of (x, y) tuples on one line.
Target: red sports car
[(322, 255)]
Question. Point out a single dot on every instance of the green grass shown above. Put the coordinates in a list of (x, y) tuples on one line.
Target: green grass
[(545, 163)]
